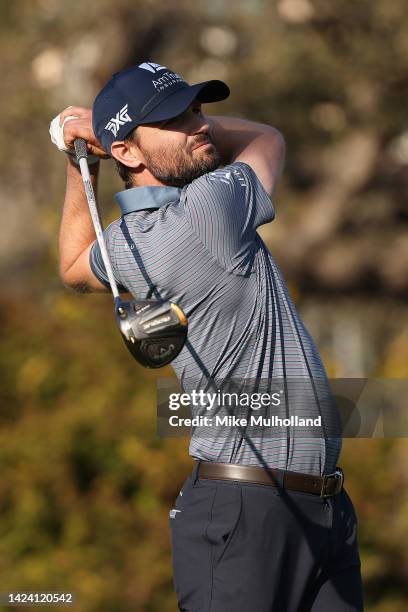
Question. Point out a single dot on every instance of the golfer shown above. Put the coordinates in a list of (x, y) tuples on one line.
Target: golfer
[(264, 522)]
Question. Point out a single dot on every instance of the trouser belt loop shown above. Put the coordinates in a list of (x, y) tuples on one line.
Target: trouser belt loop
[(195, 472), (278, 479)]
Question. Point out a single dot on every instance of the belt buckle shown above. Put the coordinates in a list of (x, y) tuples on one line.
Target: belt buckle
[(338, 474)]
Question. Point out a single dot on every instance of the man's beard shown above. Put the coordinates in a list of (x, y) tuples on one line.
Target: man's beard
[(176, 168)]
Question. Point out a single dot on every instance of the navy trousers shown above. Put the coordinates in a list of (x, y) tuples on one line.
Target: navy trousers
[(241, 547)]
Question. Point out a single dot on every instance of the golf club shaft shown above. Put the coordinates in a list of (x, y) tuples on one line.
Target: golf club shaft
[(81, 153)]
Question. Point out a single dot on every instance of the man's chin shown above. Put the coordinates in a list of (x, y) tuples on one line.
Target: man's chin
[(206, 151), (208, 156)]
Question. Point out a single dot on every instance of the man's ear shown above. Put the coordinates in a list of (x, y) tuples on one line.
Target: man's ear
[(127, 153)]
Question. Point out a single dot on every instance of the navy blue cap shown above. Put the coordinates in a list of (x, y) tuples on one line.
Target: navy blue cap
[(145, 94)]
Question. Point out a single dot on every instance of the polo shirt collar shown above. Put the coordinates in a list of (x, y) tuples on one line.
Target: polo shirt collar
[(143, 198)]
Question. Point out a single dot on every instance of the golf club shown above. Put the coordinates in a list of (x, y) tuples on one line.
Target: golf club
[(154, 331)]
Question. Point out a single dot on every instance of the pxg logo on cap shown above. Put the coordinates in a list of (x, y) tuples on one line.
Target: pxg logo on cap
[(144, 94), (121, 118)]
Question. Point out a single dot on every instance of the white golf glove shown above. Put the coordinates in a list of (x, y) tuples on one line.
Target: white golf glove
[(57, 137)]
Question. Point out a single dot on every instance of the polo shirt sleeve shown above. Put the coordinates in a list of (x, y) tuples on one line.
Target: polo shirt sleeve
[(225, 208), (96, 261)]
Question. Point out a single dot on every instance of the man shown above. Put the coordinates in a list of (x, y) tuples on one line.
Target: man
[(263, 523)]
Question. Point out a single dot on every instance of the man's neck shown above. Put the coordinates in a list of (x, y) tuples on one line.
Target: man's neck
[(145, 179)]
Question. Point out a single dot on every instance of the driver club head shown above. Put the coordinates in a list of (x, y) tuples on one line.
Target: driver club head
[(154, 331)]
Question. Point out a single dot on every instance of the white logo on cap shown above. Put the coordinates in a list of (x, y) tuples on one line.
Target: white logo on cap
[(121, 118), (167, 80), (151, 66)]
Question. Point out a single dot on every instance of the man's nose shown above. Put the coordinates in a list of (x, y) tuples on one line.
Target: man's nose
[(202, 126)]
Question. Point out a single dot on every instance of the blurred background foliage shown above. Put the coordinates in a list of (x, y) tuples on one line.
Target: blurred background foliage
[(86, 484)]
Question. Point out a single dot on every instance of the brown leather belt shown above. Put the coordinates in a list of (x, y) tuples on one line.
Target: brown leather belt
[(324, 486)]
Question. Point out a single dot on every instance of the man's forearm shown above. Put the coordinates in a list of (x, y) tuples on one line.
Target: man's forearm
[(77, 230), (259, 145), (232, 135)]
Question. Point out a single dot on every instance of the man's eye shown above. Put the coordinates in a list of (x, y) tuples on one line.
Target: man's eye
[(171, 121), (180, 118)]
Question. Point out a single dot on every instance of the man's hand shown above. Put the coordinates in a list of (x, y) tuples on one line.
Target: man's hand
[(76, 122)]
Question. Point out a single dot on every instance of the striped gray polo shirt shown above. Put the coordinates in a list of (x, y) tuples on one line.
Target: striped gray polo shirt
[(198, 246)]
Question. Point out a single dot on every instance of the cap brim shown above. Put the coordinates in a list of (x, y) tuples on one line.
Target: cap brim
[(179, 101)]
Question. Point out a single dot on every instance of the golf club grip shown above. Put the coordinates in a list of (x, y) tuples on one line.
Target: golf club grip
[(80, 148)]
